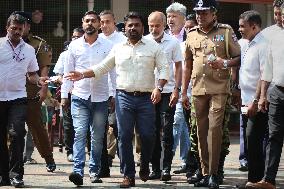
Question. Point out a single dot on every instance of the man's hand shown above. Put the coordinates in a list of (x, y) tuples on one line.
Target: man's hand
[(156, 96), (185, 101), (174, 98), (42, 93), (43, 81), (263, 104), (252, 110), (217, 64), (65, 103), (74, 76)]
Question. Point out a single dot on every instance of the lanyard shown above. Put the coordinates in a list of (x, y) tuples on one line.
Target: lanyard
[(16, 56)]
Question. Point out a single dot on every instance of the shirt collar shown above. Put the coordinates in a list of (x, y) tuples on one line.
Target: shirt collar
[(22, 42), (256, 38), (180, 35), (98, 41), (141, 41)]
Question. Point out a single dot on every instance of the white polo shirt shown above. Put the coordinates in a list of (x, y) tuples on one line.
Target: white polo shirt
[(172, 49), (15, 63)]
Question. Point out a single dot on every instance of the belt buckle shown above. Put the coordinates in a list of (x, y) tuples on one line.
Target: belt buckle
[(136, 93)]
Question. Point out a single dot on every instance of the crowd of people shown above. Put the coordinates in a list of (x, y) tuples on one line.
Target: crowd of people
[(171, 87)]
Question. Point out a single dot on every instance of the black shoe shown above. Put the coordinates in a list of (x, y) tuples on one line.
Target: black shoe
[(76, 178), (5, 181), (70, 158), (95, 179), (166, 175), (182, 169), (243, 167), (155, 175), (195, 178), (17, 183), (213, 182), (190, 173), (50, 167), (203, 182)]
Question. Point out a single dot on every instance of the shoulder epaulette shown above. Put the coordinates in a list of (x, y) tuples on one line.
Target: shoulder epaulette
[(193, 29), (227, 26), (38, 38)]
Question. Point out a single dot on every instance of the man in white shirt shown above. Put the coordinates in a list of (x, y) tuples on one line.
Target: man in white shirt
[(19, 61), (273, 71), (165, 109), (253, 58), (66, 111), (136, 94), (176, 16), (270, 31), (89, 100), (109, 32)]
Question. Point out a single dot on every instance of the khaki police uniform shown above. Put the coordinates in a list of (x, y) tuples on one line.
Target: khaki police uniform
[(35, 118), (210, 88)]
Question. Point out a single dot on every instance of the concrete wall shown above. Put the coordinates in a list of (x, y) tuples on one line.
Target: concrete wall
[(266, 12), (119, 8)]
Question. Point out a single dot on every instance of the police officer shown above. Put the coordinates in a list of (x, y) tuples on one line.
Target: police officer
[(36, 95), (211, 48)]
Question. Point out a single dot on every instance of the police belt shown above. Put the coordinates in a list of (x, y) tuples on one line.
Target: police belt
[(135, 93)]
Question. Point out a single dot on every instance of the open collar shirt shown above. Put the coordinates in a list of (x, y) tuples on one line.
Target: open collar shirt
[(274, 69), (171, 47), (82, 56), (15, 63), (135, 65), (253, 58), (180, 36)]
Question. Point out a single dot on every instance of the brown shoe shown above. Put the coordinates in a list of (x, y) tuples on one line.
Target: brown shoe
[(260, 185), (127, 182)]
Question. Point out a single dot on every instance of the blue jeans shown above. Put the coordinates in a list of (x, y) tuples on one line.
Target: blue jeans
[(132, 110), (181, 133), (93, 115)]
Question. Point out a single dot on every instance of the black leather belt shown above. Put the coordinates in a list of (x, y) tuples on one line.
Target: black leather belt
[(135, 93), (280, 88)]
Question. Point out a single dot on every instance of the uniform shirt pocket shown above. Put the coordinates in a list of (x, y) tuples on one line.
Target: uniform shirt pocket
[(221, 74)]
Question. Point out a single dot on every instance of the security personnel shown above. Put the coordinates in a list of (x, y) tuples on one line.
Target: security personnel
[(211, 48), (36, 95)]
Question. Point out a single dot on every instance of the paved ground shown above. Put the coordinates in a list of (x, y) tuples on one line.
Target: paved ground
[(37, 177)]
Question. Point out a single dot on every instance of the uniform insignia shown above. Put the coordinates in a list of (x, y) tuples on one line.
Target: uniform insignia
[(200, 3), (219, 38), (46, 48), (234, 37)]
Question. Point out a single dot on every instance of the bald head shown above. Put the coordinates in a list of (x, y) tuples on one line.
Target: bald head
[(157, 24), (157, 17)]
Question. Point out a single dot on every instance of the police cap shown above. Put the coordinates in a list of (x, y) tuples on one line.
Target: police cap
[(205, 5), (26, 15)]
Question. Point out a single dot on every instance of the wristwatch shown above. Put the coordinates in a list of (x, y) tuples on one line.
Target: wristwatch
[(178, 88), (225, 64), (255, 101), (160, 88)]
